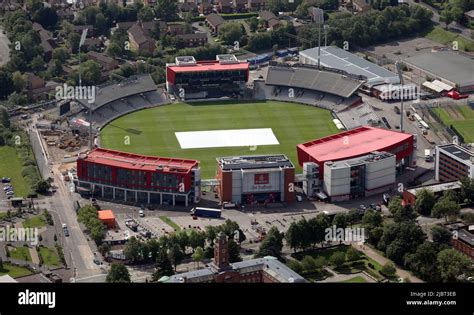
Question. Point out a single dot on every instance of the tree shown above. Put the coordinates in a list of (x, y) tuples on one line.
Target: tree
[(468, 217), (293, 236), (42, 186), (422, 262), (308, 263), (337, 259), (101, 24), (231, 32), (19, 81), (45, 16), (272, 244), (163, 266), (4, 117), (253, 23), (296, 266), (352, 216), (176, 255), (389, 270), (118, 273), (425, 200), (6, 84), (196, 239), (372, 219), (440, 235), (234, 251), (114, 50), (452, 264), (467, 189), (104, 249), (146, 14), (352, 254), (91, 73), (399, 239), (166, 9), (73, 41), (182, 239), (198, 255), (133, 249), (340, 220), (445, 208)]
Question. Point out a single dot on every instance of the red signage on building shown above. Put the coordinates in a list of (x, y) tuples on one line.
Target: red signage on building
[(261, 179)]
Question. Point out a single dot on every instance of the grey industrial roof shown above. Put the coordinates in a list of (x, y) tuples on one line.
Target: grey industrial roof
[(449, 65), (373, 156), (335, 57), (436, 187), (111, 92), (457, 151), (254, 162), (311, 78)]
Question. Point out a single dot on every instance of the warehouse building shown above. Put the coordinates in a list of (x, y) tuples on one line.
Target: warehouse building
[(453, 162), (363, 176), (356, 143), (337, 58), (256, 179), (450, 67), (134, 178)]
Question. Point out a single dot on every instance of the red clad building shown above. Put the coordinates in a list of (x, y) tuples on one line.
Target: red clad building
[(188, 78), (135, 178), (357, 142)]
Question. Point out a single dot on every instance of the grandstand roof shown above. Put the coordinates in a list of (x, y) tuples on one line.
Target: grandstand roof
[(311, 78), (352, 143), (335, 57), (111, 92), (212, 65), (138, 162)]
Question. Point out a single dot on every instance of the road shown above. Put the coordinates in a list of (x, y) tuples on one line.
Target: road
[(4, 48), (77, 249)]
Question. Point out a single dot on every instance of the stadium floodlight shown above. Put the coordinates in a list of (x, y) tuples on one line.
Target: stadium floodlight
[(400, 76), (81, 42)]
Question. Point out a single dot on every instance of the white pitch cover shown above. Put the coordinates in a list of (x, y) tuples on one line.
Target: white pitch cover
[(226, 138)]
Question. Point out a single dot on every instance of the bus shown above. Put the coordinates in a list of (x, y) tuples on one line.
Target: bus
[(206, 212)]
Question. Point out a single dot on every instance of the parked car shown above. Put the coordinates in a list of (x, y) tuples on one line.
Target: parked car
[(6, 179), (141, 213)]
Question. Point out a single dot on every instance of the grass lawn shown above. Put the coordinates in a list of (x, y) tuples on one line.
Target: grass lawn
[(440, 35), (20, 253), (35, 221), (14, 271), (11, 167), (152, 131), (464, 123), (357, 279), (170, 222), (49, 256)]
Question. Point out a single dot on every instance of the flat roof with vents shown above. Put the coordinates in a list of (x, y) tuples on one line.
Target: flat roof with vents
[(458, 151), (139, 162), (254, 162)]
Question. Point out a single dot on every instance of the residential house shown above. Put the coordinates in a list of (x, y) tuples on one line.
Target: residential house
[(224, 6), (37, 88), (205, 7), (214, 21), (256, 5), (239, 5), (271, 21), (140, 40), (47, 42), (107, 63), (191, 40), (177, 29), (469, 15), (188, 6)]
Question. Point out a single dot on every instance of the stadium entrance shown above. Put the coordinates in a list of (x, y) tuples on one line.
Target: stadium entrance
[(261, 198)]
